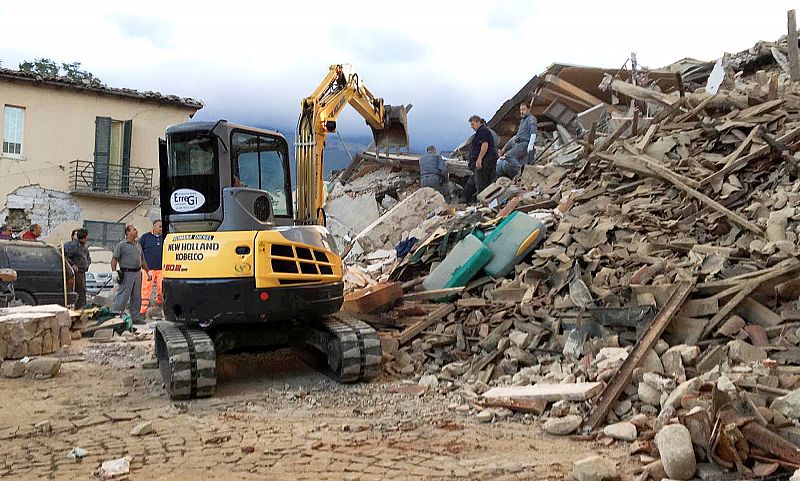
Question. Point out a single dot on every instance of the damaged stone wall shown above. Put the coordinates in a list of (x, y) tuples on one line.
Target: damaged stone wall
[(33, 204)]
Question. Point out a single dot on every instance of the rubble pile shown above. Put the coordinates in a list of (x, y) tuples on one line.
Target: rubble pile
[(33, 330), (659, 304)]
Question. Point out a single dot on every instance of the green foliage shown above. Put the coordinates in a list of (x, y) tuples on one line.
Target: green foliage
[(50, 69)]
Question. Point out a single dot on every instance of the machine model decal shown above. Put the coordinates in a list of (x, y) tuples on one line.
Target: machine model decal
[(186, 200)]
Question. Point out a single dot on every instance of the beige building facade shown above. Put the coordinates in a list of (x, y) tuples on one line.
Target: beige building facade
[(81, 156)]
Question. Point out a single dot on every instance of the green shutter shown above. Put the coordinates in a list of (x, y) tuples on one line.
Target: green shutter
[(127, 129), (102, 151)]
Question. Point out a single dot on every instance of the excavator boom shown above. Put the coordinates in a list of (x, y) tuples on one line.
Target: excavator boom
[(318, 116)]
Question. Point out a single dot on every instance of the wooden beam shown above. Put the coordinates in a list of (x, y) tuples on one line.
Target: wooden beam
[(758, 153), (573, 90), (606, 142), (794, 56), (745, 143), (674, 179), (433, 294), (641, 93), (745, 289), (696, 110), (571, 102), (413, 331), (622, 377)]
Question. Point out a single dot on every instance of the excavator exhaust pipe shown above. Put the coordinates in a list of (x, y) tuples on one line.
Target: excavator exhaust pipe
[(395, 131)]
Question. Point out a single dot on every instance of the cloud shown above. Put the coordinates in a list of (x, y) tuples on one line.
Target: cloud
[(155, 30), (381, 46), (511, 15)]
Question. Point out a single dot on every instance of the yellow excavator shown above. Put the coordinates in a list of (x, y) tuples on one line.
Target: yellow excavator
[(245, 271)]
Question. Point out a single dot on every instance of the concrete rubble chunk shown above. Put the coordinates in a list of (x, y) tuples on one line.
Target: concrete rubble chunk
[(788, 405), (563, 425), (677, 454), (674, 398), (429, 381), (388, 230), (43, 367), (29, 334), (12, 369), (142, 429), (594, 468), (744, 352), (623, 431), (649, 394), (115, 467)]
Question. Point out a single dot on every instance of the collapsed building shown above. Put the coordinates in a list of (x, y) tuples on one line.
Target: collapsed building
[(660, 305)]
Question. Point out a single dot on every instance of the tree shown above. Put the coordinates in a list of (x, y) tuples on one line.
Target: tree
[(50, 69)]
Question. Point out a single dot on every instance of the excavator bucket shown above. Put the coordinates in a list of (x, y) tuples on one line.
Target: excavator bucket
[(394, 132)]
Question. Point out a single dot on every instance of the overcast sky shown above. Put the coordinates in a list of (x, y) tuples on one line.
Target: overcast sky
[(252, 62)]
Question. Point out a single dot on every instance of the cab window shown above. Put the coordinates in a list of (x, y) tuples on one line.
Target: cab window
[(258, 162)]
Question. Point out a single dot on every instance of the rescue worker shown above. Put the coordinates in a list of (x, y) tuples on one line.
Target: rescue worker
[(130, 259), (482, 159), (152, 244), (516, 151), (77, 254), (432, 171)]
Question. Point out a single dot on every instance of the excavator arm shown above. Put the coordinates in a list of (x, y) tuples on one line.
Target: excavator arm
[(318, 116)]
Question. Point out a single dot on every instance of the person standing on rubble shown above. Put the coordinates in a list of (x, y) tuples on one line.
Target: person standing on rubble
[(152, 246), (130, 259), (482, 158), (78, 256), (432, 171), (519, 147)]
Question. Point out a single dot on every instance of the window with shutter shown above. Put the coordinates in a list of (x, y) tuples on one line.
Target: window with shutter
[(102, 151)]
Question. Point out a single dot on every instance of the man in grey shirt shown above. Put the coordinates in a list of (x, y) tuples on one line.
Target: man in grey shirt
[(130, 259), (515, 153), (432, 170)]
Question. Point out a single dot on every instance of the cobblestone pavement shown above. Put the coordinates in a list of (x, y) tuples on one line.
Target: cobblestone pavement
[(273, 418)]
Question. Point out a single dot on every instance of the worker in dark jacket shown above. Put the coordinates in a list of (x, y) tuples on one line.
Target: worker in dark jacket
[(432, 170), (482, 159), (78, 256), (516, 151)]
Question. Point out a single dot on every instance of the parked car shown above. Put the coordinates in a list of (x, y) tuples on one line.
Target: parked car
[(98, 281), (39, 272)]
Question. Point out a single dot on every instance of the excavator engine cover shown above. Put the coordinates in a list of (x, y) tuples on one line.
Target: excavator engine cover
[(394, 133)]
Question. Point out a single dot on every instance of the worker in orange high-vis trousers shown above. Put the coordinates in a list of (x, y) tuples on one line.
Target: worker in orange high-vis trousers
[(152, 246)]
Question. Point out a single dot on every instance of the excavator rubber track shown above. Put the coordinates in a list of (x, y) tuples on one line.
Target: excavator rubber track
[(187, 360), (352, 348)]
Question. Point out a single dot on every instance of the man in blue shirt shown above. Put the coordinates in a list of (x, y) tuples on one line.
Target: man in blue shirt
[(153, 247), (482, 159)]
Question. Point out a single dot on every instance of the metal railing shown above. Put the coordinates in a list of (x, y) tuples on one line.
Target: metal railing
[(110, 180)]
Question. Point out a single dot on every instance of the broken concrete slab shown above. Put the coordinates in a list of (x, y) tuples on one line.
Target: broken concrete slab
[(549, 392), (388, 230)]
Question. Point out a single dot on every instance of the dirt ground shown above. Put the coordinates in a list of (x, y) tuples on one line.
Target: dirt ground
[(273, 418)]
